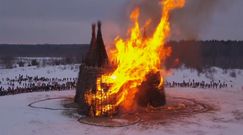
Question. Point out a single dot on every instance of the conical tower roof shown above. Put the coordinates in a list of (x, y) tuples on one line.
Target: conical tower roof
[(96, 55), (101, 51), (91, 55)]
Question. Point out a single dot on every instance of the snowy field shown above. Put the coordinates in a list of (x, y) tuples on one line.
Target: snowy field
[(16, 117), (48, 71), (233, 77)]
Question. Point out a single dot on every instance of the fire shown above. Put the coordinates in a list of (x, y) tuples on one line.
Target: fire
[(135, 58)]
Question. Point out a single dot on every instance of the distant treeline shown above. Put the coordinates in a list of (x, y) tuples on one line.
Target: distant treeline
[(43, 50), (194, 54), (203, 54)]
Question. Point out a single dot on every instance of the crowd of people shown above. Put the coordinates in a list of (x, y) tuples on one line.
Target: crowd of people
[(197, 84), (25, 84)]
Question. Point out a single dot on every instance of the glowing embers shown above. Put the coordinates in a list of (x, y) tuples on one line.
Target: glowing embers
[(98, 106), (175, 109), (100, 100)]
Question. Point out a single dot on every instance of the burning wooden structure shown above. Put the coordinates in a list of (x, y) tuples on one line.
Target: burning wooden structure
[(93, 66), (135, 80), (96, 64)]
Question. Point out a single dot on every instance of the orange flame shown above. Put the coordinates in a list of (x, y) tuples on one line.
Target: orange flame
[(135, 57)]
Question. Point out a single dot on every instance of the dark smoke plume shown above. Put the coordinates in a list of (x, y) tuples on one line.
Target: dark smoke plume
[(187, 22)]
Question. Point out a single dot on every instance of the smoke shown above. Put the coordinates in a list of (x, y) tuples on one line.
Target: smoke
[(186, 23)]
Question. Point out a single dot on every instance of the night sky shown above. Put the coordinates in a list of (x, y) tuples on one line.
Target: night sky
[(68, 21)]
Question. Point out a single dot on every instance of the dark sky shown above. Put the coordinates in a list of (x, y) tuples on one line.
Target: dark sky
[(68, 21)]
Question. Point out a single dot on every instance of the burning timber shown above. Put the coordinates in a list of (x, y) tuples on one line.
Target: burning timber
[(135, 80), (94, 65), (102, 101)]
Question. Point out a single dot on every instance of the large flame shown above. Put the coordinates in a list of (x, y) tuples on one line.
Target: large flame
[(135, 57)]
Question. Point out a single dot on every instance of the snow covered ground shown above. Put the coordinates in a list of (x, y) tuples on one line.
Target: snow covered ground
[(16, 117), (48, 71), (233, 77), (57, 72)]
